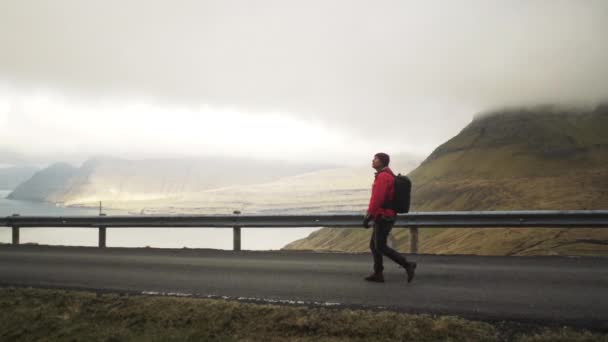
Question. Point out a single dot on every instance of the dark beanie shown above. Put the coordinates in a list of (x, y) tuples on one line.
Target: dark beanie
[(383, 157)]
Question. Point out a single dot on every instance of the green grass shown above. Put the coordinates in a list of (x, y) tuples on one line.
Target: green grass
[(56, 315)]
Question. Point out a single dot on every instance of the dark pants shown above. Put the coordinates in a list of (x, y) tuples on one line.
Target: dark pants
[(377, 244)]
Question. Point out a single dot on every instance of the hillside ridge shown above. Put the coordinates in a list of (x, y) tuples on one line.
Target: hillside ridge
[(524, 159)]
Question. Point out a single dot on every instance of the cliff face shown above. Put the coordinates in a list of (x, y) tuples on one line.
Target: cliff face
[(516, 159)]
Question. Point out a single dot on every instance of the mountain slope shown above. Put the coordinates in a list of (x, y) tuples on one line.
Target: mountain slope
[(48, 184), (516, 159), (11, 177)]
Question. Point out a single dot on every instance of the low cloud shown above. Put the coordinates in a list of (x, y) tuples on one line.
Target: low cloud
[(394, 73)]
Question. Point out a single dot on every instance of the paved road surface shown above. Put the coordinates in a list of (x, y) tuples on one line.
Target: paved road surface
[(564, 290)]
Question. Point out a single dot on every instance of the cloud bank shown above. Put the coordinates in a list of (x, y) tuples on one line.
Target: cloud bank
[(402, 74)]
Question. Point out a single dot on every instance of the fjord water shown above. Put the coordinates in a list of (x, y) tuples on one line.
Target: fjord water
[(216, 238)]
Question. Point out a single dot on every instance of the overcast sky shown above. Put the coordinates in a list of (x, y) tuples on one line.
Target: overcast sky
[(298, 80)]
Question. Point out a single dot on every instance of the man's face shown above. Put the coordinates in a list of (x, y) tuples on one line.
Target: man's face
[(376, 163)]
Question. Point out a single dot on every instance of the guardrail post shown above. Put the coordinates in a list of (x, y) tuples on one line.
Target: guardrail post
[(236, 235), (414, 240), (236, 231), (102, 235), (15, 233)]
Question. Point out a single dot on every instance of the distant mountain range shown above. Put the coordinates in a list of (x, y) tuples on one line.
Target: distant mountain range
[(205, 186), (515, 159), (113, 179)]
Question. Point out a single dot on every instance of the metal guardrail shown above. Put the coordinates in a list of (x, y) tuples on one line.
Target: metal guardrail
[(414, 220)]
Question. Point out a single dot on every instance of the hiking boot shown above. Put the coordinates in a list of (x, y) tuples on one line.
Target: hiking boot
[(376, 277), (410, 268)]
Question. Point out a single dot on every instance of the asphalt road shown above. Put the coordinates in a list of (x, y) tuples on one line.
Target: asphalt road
[(553, 290)]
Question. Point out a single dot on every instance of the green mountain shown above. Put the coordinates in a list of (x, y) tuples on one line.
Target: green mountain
[(514, 159)]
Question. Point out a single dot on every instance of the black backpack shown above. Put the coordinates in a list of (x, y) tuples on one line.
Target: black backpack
[(403, 191)]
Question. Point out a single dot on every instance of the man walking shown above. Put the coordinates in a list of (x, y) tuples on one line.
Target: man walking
[(383, 218)]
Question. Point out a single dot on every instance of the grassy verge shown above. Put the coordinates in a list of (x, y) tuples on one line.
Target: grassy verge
[(58, 315)]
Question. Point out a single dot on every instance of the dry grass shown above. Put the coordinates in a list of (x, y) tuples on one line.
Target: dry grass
[(57, 315)]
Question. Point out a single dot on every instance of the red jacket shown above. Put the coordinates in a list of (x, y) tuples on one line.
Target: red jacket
[(382, 190)]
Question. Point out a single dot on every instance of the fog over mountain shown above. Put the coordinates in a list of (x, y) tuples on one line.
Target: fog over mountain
[(304, 80)]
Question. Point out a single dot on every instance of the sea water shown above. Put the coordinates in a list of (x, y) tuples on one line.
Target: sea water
[(217, 238)]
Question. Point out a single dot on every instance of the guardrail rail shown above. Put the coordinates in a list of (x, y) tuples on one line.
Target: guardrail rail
[(413, 221)]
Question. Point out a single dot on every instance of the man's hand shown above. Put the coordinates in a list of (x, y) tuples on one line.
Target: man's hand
[(366, 220)]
